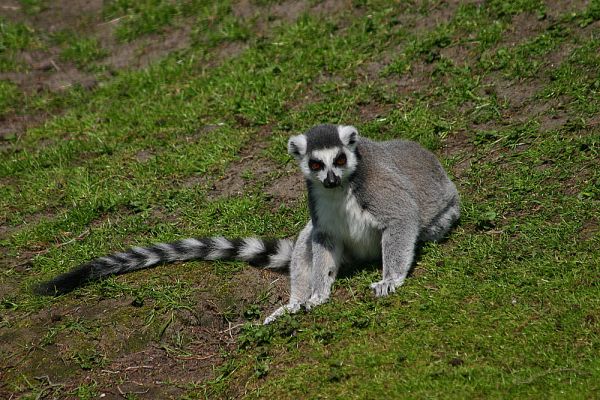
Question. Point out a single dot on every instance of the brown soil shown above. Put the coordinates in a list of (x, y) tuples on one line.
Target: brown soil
[(459, 146), (273, 15), (141, 52), (588, 230), (253, 168)]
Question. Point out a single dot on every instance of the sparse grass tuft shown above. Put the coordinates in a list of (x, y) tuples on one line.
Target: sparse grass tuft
[(139, 17), (83, 52), (9, 96), (32, 7), (14, 36)]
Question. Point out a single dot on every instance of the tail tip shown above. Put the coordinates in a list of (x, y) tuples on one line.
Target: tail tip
[(46, 289), (64, 283)]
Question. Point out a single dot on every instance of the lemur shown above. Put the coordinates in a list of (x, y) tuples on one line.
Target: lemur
[(368, 201)]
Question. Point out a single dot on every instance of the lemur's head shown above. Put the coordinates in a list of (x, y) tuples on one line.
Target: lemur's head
[(326, 153)]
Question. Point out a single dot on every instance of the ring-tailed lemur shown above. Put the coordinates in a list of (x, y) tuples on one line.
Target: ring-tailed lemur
[(369, 201)]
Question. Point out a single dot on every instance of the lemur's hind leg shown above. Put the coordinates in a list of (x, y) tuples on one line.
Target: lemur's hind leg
[(398, 251), (300, 275), (441, 224)]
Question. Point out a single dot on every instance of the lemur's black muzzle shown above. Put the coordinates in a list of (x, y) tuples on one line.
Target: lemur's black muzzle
[(332, 180)]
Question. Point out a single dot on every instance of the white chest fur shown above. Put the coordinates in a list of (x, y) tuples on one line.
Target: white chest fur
[(341, 216)]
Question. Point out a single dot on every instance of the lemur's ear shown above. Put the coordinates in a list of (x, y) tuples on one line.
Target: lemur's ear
[(297, 146), (348, 135)]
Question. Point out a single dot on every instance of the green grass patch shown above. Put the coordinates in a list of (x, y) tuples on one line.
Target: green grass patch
[(83, 52), (15, 36), (9, 96), (32, 7), (140, 17), (578, 79)]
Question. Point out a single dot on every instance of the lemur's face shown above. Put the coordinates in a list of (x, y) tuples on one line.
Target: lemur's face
[(326, 154)]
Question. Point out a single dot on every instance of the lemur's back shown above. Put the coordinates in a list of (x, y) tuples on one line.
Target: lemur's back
[(404, 172)]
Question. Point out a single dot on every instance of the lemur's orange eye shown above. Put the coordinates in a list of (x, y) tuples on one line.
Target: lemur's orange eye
[(341, 160), (315, 165)]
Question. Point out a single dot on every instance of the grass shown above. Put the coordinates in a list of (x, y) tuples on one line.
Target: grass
[(83, 52), (13, 37), (507, 307), (140, 17)]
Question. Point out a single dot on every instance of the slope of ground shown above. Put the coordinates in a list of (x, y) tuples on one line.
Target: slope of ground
[(124, 123)]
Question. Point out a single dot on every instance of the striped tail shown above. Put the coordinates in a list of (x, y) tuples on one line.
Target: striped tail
[(273, 254)]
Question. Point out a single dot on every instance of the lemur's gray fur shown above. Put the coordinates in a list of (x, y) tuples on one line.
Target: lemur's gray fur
[(369, 201)]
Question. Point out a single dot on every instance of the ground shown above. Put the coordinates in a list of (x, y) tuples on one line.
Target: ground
[(124, 123)]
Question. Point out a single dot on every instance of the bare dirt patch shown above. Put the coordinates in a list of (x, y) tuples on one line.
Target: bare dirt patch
[(230, 49), (438, 14), (588, 230), (247, 171), (523, 27), (141, 52), (12, 124), (556, 8), (287, 188), (52, 17), (460, 55), (417, 79), (460, 146), (252, 168), (59, 14), (371, 111), (271, 15), (61, 76), (155, 372), (289, 10), (329, 7), (267, 17), (515, 93)]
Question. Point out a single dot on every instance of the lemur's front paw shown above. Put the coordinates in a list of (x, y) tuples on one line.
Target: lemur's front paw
[(386, 286), (291, 308)]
